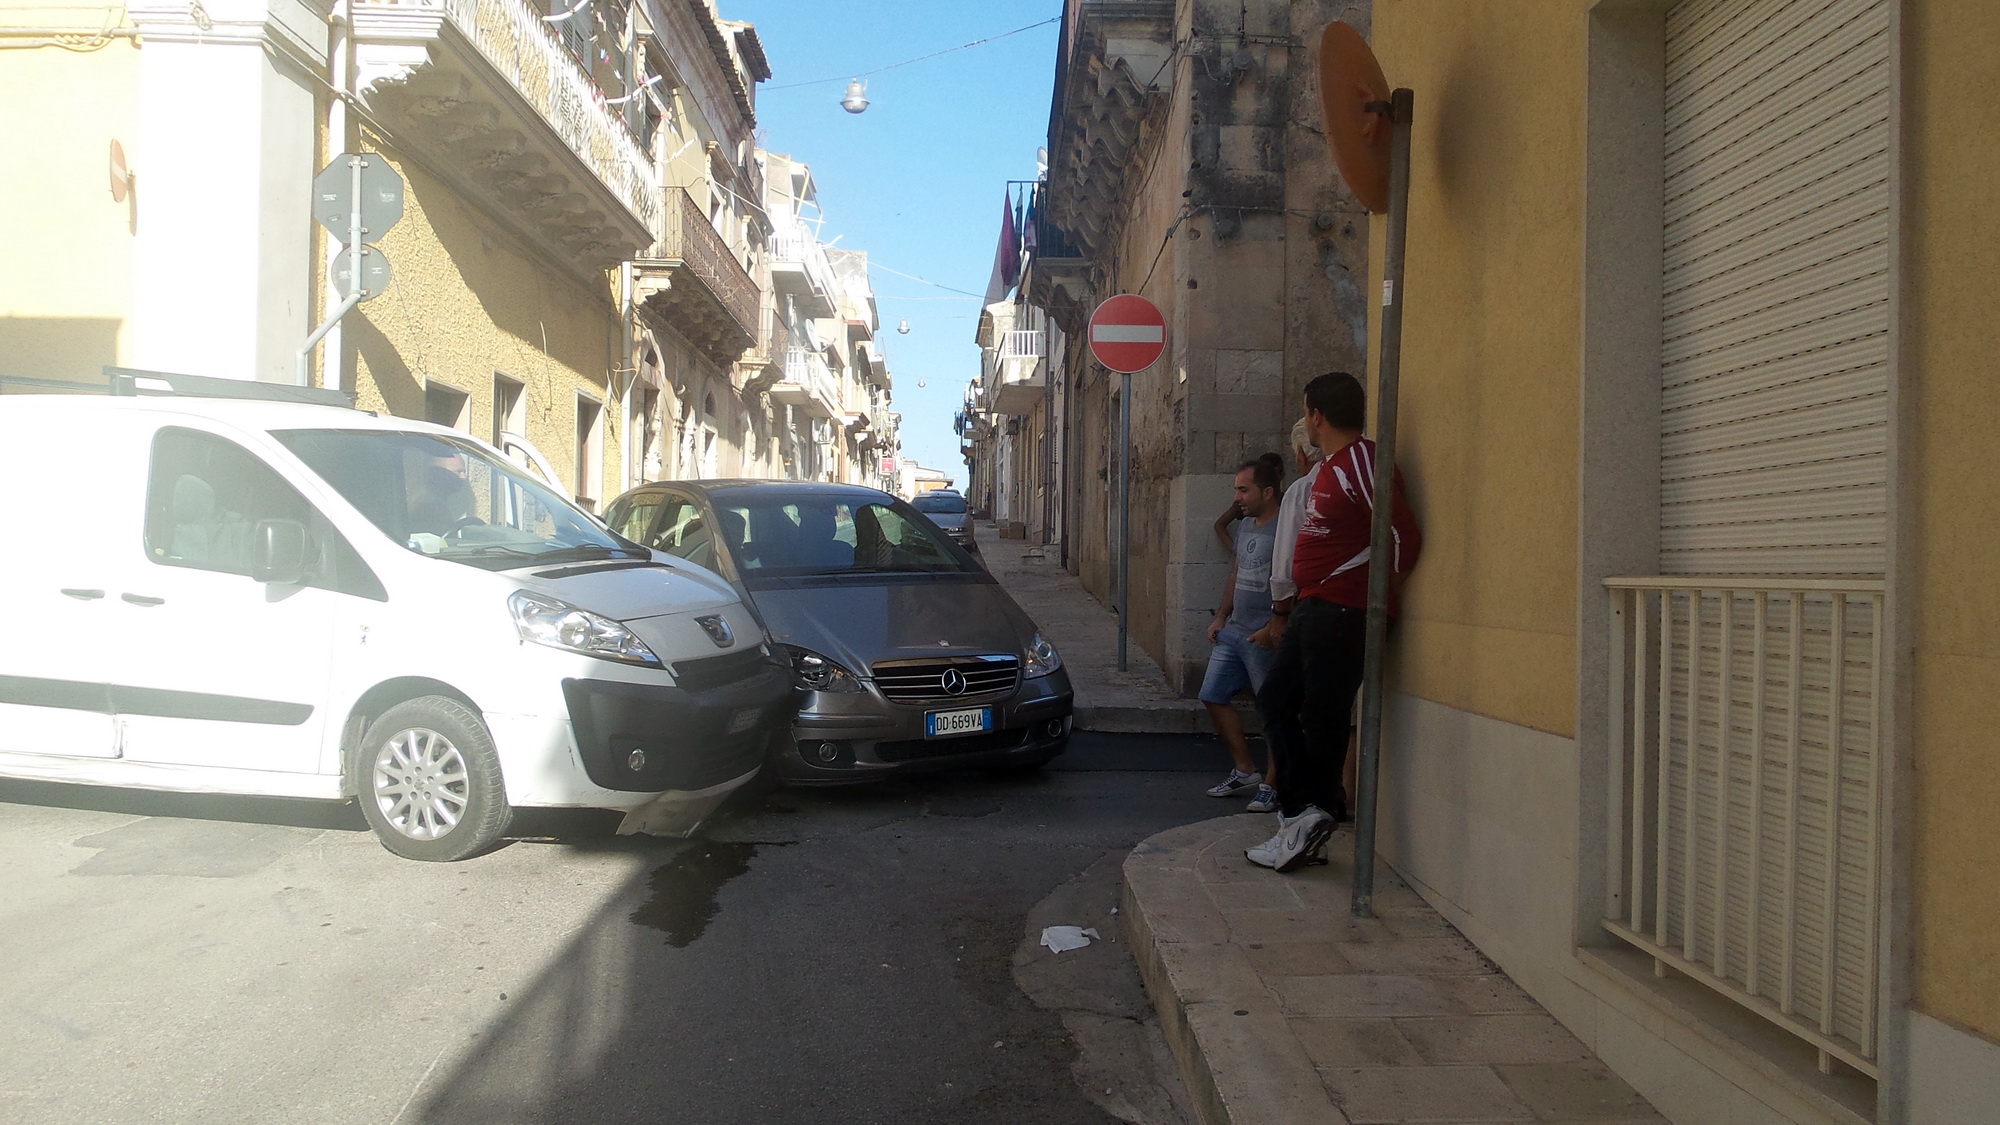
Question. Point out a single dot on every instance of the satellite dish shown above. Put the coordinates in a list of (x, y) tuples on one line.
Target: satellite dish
[(1354, 98)]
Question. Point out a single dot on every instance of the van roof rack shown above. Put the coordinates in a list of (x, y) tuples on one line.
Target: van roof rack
[(133, 381)]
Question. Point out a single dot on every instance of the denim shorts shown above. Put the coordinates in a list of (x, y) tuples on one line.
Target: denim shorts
[(1236, 663)]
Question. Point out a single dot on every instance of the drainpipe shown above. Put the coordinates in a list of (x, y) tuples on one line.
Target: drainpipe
[(340, 67), (627, 328)]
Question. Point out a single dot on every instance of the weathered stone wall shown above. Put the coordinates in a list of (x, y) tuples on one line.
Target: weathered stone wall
[(1233, 221)]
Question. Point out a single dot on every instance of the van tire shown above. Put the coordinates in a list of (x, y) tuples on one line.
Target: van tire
[(439, 748)]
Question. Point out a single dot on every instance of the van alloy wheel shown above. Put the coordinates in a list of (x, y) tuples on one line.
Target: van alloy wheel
[(429, 780), (420, 783)]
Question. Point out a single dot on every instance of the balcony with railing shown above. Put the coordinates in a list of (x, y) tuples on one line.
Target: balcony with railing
[(691, 280), (1016, 372), (800, 268), (1746, 796), (488, 94), (767, 352), (808, 384)]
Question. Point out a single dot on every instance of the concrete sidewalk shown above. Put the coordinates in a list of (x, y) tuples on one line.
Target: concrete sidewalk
[(1085, 631), (1282, 1008)]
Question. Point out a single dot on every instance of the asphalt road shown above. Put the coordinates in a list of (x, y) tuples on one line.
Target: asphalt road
[(815, 956)]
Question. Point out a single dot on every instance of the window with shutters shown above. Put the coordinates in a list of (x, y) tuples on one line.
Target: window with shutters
[(1746, 710)]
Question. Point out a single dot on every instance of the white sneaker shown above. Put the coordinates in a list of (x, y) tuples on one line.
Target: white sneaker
[(1266, 853), (1235, 783), (1266, 800), (1300, 838)]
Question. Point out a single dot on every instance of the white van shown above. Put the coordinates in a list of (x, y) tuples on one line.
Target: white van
[(294, 600)]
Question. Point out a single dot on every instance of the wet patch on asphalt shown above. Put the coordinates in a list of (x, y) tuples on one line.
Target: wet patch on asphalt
[(684, 890)]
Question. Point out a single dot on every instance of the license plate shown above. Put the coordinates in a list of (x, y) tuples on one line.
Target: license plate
[(944, 724)]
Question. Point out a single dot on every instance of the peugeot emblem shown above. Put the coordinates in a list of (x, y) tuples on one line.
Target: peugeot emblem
[(717, 629), (953, 682)]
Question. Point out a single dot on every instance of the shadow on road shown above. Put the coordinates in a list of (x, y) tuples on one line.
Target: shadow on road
[(293, 812)]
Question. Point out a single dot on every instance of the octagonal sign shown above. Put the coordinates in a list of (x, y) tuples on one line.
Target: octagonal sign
[(381, 195)]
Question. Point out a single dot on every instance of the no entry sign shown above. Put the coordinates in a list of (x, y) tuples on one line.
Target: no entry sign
[(1127, 333)]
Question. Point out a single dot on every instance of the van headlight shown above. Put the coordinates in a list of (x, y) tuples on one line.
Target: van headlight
[(557, 624), (813, 672), (1042, 657)]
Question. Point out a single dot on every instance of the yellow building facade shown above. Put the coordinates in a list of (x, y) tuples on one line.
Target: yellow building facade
[(578, 259), (1697, 674), (65, 304)]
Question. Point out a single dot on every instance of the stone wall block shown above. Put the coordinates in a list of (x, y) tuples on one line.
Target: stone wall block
[(1245, 370), (1241, 413), (1198, 499)]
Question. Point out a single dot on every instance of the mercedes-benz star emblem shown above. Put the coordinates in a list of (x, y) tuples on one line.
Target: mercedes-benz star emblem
[(953, 682), (717, 629)]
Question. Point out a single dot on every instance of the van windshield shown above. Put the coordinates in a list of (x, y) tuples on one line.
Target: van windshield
[(437, 495)]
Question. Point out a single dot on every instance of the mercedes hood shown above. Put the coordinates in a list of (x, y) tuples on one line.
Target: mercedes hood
[(861, 624)]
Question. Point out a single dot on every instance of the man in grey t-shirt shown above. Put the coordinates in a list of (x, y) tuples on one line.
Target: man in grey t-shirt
[(1238, 663)]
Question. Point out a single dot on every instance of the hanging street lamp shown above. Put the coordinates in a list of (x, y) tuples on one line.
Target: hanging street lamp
[(856, 100)]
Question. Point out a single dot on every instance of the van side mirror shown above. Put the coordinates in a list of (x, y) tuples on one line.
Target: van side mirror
[(279, 552)]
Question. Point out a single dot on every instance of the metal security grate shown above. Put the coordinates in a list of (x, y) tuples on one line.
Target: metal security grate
[(930, 681), (1746, 794)]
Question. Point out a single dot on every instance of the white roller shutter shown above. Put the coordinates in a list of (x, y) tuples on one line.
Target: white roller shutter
[(1762, 877), (1775, 350)]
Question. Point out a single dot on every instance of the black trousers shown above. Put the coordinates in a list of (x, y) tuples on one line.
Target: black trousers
[(1307, 703)]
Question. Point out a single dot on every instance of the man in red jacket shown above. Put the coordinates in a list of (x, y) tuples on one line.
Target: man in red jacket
[(1306, 696)]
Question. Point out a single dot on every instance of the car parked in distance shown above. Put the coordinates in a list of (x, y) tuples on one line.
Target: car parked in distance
[(948, 511), (905, 653), (290, 600)]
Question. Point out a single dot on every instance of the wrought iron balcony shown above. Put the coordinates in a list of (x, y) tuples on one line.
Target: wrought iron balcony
[(692, 281), (487, 93)]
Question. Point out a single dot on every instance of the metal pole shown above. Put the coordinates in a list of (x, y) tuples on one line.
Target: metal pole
[(1381, 551), (354, 280), (1124, 517), (1048, 465)]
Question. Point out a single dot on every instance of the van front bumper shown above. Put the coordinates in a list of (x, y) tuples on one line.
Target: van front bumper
[(649, 738)]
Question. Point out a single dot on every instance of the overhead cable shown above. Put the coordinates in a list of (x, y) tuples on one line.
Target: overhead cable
[(918, 59)]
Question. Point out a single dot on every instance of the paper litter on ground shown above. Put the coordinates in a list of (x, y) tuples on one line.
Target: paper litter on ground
[(1065, 938)]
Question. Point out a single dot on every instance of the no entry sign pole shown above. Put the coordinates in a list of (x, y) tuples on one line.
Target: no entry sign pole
[(1127, 334), (1376, 629), (1124, 516)]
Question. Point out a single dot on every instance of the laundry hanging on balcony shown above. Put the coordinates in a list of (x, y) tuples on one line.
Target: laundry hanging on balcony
[(1006, 256)]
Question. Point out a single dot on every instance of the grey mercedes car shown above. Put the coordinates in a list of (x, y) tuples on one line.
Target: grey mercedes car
[(906, 655)]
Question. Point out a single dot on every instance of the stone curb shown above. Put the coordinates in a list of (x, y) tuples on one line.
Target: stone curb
[(1180, 717), (1227, 1031)]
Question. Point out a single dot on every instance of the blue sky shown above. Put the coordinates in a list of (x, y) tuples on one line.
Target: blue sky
[(917, 180)]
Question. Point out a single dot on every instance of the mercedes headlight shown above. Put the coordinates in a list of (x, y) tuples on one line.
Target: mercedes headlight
[(813, 672), (557, 624), (1042, 657)]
